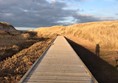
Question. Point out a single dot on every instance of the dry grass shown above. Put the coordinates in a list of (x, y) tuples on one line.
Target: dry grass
[(11, 44), (104, 33), (18, 52), (12, 69)]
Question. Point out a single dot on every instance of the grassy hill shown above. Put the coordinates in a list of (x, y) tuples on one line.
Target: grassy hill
[(7, 29), (18, 51), (12, 40), (89, 34)]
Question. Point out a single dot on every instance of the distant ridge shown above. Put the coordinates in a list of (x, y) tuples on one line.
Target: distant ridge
[(6, 28)]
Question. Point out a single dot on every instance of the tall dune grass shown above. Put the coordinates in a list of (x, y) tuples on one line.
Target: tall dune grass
[(104, 33)]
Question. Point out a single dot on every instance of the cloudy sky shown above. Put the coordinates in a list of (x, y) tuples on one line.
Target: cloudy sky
[(38, 13)]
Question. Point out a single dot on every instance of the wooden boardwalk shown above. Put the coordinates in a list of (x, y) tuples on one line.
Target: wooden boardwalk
[(59, 64)]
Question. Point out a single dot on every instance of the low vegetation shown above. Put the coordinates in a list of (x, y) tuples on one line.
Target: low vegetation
[(11, 44), (12, 69), (18, 51)]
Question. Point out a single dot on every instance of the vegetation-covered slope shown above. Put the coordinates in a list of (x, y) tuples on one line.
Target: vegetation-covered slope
[(104, 33), (89, 34), (18, 51)]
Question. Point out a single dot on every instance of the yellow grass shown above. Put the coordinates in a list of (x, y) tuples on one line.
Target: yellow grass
[(104, 33)]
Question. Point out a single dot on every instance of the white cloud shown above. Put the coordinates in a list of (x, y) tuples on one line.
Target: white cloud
[(34, 13)]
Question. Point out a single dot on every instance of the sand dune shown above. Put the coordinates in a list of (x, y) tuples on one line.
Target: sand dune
[(105, 33)]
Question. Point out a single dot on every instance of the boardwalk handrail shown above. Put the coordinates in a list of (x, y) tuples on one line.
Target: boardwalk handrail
[(35, 63)]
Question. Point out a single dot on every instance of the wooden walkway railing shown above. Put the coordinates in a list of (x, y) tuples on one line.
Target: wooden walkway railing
[(59, 64)]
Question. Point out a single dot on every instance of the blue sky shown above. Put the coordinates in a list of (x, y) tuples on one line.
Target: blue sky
[(38, 13), (105, 8)]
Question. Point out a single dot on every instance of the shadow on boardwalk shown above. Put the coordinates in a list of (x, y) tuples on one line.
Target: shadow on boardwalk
[(102, 71)]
